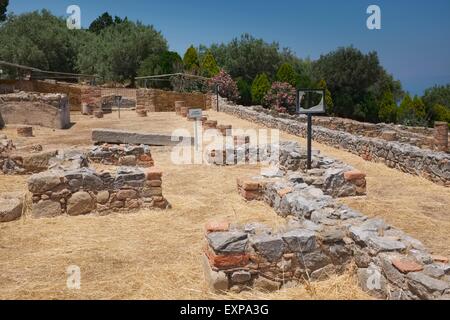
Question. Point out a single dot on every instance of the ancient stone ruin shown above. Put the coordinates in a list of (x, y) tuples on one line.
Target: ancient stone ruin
[(84, 191), (121, 155), (29, 108), (432, 165), (66, 184), (321, 237)]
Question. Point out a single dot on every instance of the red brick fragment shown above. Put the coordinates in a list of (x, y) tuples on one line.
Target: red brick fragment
[(406, 265), (354, 175)]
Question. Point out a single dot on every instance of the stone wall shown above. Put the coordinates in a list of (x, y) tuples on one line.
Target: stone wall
[(417, 136), (154, 100), (432, 165), (47, 110), (321, 237), (76, 93), (83, 191), (34, 159), (121, 155)]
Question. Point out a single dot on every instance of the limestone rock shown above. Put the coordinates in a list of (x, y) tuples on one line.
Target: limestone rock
[(300, 240), (80, 203), (44, 181), (11, 206), (46, 209), (270, 247), (228, 242)]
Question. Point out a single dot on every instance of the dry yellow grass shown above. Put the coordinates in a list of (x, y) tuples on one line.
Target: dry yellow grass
[(156, 254)]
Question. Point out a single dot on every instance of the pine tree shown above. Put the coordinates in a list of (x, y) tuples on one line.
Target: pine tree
[(287, 74), (328, 99), (388, 109), (260, 86), (209, 66), (190, 60)]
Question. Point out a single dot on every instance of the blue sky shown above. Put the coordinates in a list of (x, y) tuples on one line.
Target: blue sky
[(413, 44)]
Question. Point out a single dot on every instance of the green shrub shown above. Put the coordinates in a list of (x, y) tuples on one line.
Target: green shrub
[(245, 92), (388, 109), (441, 113), (190, 60), (287, 74), (260, 86), (328, 99), (209, 66)]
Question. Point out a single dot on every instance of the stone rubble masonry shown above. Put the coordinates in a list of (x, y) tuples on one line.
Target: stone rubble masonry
[(31, 108), (154, 100), (108, 101), (432, 165), (84, 191), (34, 159), (418, 136), (121, 155), (441, 136), (76, 93), (320, 237), (333, 177)]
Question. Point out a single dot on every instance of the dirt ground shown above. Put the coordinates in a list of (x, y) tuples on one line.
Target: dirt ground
[(156, 254)]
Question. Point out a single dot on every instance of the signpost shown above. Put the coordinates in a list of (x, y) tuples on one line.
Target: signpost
[(309, 102), (197, 115), (118, 100)]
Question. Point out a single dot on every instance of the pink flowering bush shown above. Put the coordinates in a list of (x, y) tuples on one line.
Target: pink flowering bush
[(227, 86), (281, 97)]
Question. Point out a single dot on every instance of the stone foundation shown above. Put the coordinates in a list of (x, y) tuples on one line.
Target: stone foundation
[(47, 110), (417, 136), (34, 159), (154, 100), (434, 166), (85, 191), (321, 237), (121, 155)]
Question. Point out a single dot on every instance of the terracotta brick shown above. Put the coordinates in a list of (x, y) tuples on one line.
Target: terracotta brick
[(227, 261), (217, 226), (354, 175), (160, 204), (406, 265), (145, 157), (250, 185), (154, 174), (250, 195), (441, 259), (154, 183)]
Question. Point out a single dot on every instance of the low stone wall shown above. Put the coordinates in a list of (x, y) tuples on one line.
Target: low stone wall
[(417, 136), (321, 237), (47, 110), (154, 100), (84, 191), (434, 166), (34, 159), (76, 93), (121, 155)]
